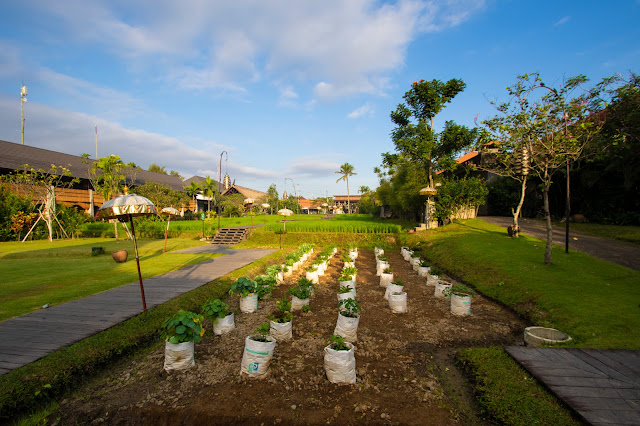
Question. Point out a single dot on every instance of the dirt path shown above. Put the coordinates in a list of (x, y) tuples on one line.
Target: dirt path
[(404, 365)]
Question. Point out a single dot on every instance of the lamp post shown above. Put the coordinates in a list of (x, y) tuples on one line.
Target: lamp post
[(220, 183), (295, 191), (23, 99), (248, 202), (428, 191)]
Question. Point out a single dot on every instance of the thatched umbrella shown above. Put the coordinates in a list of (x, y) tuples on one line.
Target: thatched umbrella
[(428, 191), (285, 213), (249, 202), (124, 208), (169, 211)]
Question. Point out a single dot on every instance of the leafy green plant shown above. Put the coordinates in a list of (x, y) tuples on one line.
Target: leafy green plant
[(274, 270), (436, 271), (345, 278), (284, 311), (214, 309), (311, 268), (338, 343), (300, 292), (260, 334), (350, 270), (459, 290), (306, 283), (344, 289), (424, 264), (382, 258), (306, 308), (387, 271), (398, 282), (346, 258), (264, 285), (349, 308), (184, 326), (243, 286)]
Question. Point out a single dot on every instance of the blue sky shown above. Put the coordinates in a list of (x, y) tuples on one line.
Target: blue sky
[(289, 89)]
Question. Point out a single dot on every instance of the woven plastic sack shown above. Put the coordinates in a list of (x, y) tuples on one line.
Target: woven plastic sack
[(281, 331), (460, 305), (385, 279), (393, 288), (381, 267), (249, 304), (347, 328), (224, 325), (423, 271), (349, 295), (441, 287), (257, 357), (340, 366), (297, 304), (432, 279), (398, 302), (178, 356)]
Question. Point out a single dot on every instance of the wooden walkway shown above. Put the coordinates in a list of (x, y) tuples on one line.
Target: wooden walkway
[(601, 385), (32, 336)]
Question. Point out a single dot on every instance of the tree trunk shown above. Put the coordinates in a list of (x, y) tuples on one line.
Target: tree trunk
[(516, 212), (348, 200), (547, 216), (115, 229)]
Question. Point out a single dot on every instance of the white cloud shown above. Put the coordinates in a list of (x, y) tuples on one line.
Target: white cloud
[(349, 45), (562, 21), (366, 109)]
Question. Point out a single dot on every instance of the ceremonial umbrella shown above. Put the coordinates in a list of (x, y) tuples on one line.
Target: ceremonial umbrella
[(285, 213), (249, 202), (428, 191), (124, 208), (169, 211), (265, 206)]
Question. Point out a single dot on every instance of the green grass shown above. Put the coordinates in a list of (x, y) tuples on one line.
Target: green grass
[(630, 234), (57, 373), (39, 272), (509, 394), (342, 223), (596, 302)]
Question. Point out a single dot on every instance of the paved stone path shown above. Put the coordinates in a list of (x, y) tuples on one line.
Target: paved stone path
[(601, 385), (32, 336), (615, 251)]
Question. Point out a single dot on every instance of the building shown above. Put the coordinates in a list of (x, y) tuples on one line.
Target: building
[(341, 202)]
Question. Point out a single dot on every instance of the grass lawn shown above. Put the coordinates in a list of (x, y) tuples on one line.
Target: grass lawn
[(596, 302), (39, 272)]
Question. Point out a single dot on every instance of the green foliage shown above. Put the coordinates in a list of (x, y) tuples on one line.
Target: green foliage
[(13, 205), (273, 270), (260, 334), (338, 224), (284, 311), (153, 167), (243, 286), (214, 309), (301, 292), (264, 285), (398, 283), (435, 271), (162, 195), (507, 393), (345, 171), (338, 344), (305, 308), (344, 289), (349, 271), (184, 326), (349, 307), (455, 194), (459, 290)]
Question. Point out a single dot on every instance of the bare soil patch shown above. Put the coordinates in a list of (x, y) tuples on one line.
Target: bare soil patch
[(405, 368)]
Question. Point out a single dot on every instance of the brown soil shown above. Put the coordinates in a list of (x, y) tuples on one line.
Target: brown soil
[(405, 368)]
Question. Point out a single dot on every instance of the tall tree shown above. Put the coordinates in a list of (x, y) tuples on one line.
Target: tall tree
[(192, 191), (345, 171), (107, 177), (272, 197), (210, 190), (153, 167), (414, 135), (553, 126)]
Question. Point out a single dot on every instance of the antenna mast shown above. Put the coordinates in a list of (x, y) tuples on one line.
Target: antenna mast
[(23, 99)]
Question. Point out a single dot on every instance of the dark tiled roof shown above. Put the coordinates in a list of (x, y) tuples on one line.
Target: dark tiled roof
[(13, 156)]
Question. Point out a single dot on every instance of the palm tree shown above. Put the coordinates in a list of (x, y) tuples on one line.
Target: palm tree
[(192, 191), (364, 189), (209, 188), (346, 170)]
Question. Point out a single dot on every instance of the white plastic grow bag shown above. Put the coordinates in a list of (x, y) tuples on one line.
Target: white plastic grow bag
[(381, 267), (178, 356), (281, 331), (393, 288), (224, 325), (415, 262), (347, 327), (423, 271), (460, 304), (441, 288), (312, 276), (385, 279), (349, 295), (398, 302), (297, 304), (432, 279), (340, 366), (257, 357), (249, 304)]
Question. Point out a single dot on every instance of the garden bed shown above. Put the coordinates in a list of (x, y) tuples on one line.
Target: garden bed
[(405, 365)]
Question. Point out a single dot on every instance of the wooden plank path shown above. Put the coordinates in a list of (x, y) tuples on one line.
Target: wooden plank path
[(601, 385), (32, 336)]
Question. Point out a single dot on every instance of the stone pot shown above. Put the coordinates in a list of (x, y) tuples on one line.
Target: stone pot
[(120, 256)]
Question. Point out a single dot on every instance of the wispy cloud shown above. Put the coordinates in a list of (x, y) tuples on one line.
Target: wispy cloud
[(366, 109), (562, 21)]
